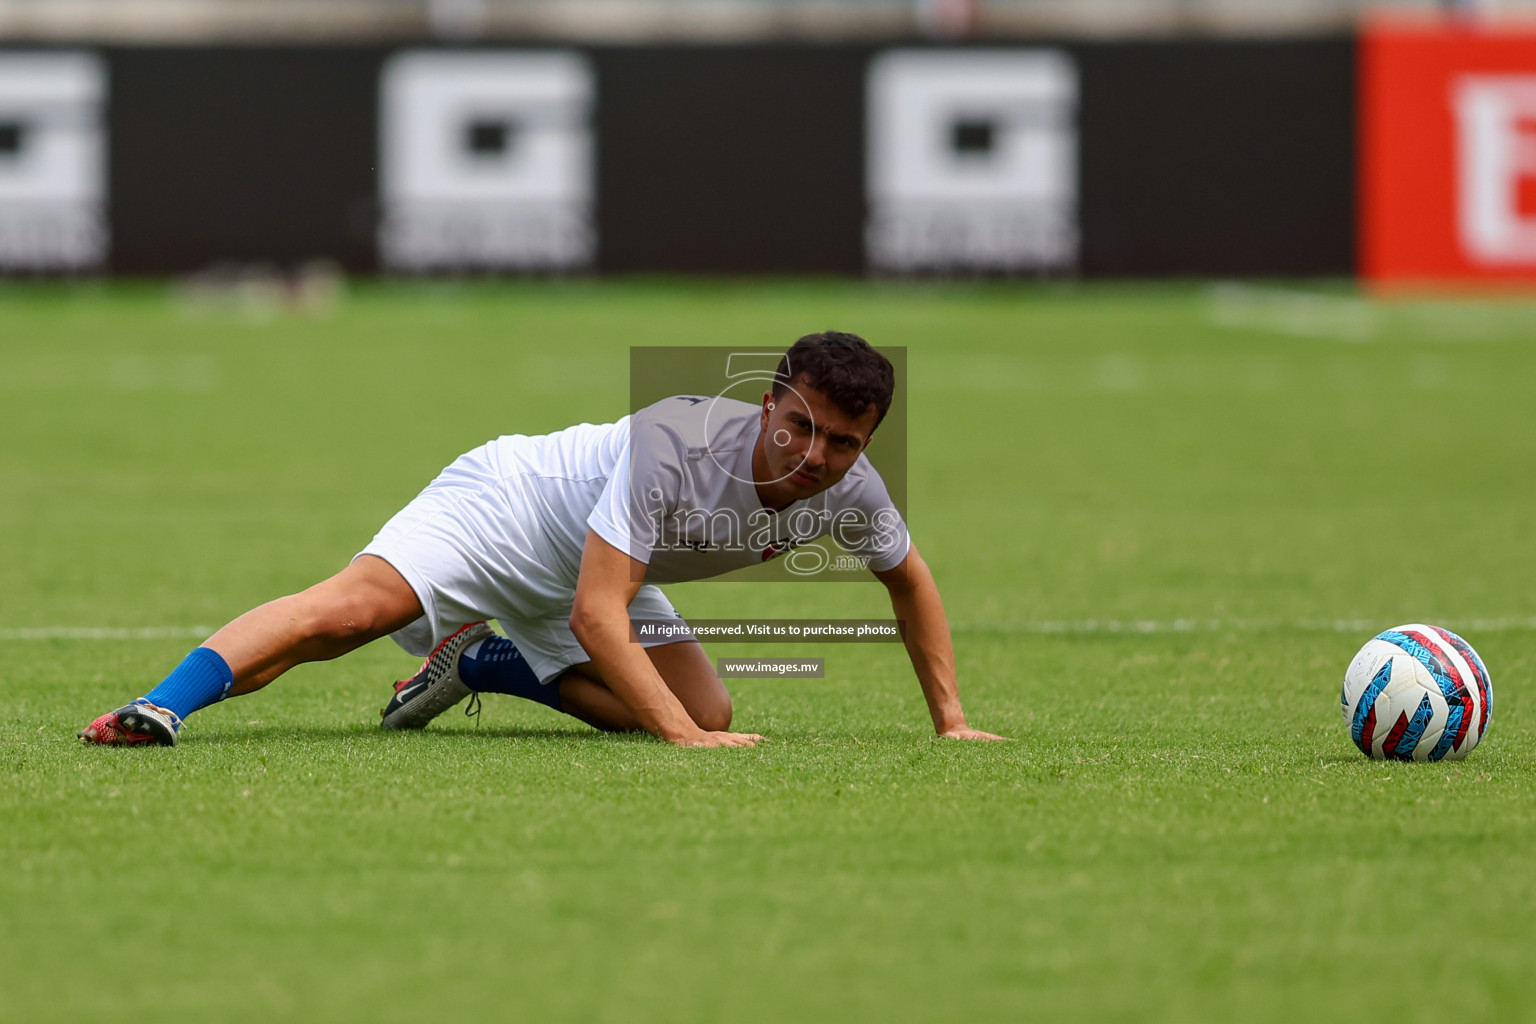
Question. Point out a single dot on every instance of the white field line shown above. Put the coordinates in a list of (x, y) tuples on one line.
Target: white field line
[(107, 633), (1505, 624)]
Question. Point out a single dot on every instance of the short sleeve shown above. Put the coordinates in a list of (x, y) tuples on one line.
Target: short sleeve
[(641, 492), (869, 525)]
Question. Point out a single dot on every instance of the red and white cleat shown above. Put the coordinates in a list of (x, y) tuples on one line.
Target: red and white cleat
[(134, 725)]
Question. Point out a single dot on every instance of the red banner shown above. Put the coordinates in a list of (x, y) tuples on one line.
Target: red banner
[(1447, 155)]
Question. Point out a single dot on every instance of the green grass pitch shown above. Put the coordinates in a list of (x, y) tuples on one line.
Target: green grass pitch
[(1163, 519)]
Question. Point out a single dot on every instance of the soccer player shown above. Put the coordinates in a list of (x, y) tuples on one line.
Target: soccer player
[(561, 539)]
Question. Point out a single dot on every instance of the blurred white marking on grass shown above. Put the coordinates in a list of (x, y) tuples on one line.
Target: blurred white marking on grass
[(1360, 319), (131, 372), (1120, 371), (1290, 311), (107, 633)]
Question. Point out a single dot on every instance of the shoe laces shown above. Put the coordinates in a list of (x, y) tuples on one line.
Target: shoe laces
[(472, 709), (167, 713)]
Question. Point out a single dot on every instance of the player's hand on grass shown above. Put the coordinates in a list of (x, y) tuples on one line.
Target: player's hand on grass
[(966, 733), (720, 739)]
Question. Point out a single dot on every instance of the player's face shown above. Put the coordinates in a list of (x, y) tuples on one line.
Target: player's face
[(807, 445)]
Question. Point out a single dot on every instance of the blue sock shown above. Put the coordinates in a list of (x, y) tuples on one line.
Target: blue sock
[(202, 678), (495, 665)]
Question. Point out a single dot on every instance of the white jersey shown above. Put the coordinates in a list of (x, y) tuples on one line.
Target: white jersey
[(499, 534)]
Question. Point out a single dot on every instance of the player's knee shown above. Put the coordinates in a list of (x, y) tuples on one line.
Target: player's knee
[(365, 601), (339, 621), (713, 714)]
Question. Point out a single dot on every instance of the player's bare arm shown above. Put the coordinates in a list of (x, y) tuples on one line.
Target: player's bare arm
[(608, 582), (915, 601)]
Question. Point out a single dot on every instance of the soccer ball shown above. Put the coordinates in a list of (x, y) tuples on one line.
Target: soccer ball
[(1417, 693)]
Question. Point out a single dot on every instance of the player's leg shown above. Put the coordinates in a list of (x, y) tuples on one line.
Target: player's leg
[(684, 667), (541, 660), (366, 600), (475, 660)]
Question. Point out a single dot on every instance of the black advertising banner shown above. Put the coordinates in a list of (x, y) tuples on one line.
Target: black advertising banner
[(1218, 157), (243, 155), (1027, 158), (729, 160)]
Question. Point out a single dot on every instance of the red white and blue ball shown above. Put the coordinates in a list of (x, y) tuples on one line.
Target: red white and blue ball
[(1417, 693)]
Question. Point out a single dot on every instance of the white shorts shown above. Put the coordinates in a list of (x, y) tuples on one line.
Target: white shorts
[(469, 546)]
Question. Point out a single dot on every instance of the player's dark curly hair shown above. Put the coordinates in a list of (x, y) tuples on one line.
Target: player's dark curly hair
[(844, 368)]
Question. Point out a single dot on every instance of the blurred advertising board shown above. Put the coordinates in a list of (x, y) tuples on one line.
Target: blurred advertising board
[(1099, 158), (1447, 155), (972, 161), (486, 161), (52, 161)]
